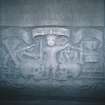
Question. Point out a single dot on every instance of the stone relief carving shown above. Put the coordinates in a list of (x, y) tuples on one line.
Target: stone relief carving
[(51, 52), (91, 43)]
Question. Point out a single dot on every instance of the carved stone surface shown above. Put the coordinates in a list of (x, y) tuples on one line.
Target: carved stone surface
[(52, 53), (61, 13), (88, 13), (52, 48), (54, 61), (35, 12)]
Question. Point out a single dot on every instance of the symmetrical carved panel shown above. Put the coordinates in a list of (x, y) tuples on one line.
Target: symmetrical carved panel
[(53, 52)]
